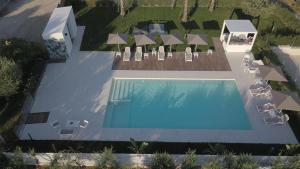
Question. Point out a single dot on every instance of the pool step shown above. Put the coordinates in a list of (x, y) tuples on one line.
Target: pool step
[(122, 91)]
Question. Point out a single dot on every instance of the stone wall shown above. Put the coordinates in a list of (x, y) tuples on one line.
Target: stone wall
[(57, 49)]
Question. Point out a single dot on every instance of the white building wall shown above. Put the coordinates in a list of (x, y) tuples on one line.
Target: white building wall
[(72, 25), (67, 40)]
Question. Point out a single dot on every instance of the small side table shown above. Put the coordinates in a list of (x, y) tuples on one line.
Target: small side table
[(209, 52), (170, 55), (196, 54), (146, 55), (118, 54)]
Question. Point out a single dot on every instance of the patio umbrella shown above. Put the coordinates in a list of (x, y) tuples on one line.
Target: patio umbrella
[(271, 73), (286, 100), (117, 39), (171, 39), (197, 39), (141, 40)]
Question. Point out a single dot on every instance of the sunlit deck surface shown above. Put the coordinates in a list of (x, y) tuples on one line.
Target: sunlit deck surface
[(215, 62)]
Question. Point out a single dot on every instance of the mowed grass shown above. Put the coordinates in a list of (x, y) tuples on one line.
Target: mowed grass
[(100, 22)]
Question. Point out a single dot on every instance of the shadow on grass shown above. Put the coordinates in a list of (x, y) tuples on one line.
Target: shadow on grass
[(240, 14), (194, 8), (9, 115), (211, 24), (190, 25), (97, 27)]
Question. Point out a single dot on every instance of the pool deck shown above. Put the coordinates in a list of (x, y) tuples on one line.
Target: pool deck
[(79, 90), (205, 62)]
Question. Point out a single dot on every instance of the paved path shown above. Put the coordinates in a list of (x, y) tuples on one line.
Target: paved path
[(26, 19)]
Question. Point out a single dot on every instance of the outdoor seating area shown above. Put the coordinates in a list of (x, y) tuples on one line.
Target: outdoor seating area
[(275, 101), (160, 59), (142, 40)]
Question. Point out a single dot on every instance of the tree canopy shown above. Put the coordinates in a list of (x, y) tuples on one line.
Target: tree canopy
[(10, 77)]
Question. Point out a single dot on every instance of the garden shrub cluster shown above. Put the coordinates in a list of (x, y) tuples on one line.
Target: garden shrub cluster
[(20, 56), (108, 160), (21, 64)]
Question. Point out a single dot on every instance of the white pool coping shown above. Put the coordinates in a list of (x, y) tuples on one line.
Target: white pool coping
[(79, 90)]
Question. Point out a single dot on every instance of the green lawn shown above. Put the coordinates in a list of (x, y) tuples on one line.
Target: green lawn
[(101, 21)]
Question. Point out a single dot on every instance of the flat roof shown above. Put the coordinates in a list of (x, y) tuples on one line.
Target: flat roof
[(57, 21), (240, 26)]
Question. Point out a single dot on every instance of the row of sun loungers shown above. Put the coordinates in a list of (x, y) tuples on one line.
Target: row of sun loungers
[(272, 115), (161, 54)]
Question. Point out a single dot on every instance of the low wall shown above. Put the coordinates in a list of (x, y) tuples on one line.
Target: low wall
[(287, 49), (85, 159), (290, 59)]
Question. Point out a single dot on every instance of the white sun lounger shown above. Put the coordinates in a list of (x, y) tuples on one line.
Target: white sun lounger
[(276, 120), (138, 54), (188, 55), (127, 54), (161, 53), (261, 108), (260, 91)]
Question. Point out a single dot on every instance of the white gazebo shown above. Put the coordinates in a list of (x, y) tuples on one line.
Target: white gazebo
[(238, 35), (60, 33)]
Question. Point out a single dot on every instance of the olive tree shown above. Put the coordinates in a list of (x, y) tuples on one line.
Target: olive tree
[(10, 77)]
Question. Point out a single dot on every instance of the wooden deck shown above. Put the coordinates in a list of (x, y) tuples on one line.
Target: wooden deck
[(215, 62)]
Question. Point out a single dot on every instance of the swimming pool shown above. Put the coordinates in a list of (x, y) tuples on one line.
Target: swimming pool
[(175, 104)]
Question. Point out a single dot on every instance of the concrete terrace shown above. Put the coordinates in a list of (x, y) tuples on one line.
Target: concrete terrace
[(79, 90)]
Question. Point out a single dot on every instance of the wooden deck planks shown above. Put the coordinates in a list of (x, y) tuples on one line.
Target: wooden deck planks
[(215, 62)]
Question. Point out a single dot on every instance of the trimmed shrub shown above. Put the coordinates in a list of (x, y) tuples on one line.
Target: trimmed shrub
[(244, 161), (107, 160), (190, 161), (17, 160), (162, 161), (213, 164), (229, 161)]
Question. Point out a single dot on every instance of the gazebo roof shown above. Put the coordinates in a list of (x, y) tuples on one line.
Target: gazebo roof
[(240, 26)]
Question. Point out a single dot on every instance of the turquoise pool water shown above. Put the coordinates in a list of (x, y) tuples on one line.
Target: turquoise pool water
[(175, 104)]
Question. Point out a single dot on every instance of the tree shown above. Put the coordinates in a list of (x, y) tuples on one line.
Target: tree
[(122, 7), (137, 148), (190, 161), (185, 11), (107, 160), (162, 161), (212, 5), (32, 154), (2, 140), (3, 159), (10, 77)]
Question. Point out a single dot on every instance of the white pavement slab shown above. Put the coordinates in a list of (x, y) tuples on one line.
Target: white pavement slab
[(79, 90)]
